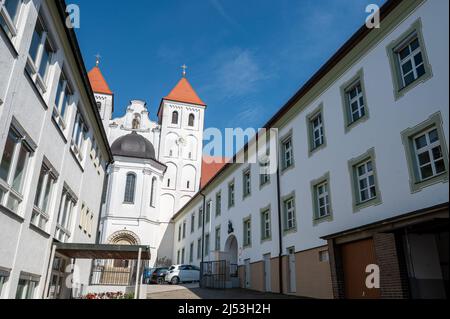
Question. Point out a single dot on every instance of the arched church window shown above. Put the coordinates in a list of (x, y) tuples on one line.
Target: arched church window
[(175, 117), (130, 188), (168, 182), (191, 120), (136, 124), (188, 185), (153, 192), (99, 105)]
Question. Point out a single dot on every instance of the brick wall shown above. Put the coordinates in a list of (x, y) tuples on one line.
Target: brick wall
[(392, 276), (337, 270)]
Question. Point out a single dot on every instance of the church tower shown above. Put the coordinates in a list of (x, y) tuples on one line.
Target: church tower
[(103, 95), (181, 116)]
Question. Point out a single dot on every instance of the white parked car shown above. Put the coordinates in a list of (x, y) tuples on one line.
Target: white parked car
[(182, 273)]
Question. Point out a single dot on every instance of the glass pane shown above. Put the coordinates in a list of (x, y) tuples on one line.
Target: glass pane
[(440, 166), (404, 53), (362, 170), (418, 59), (409, 79), (420, 71), (407, 67), (363, 184), (21, 289), (39, 187), (7, 156), (12, 7), (36, 40), (369, 167), (371, 180), (373, 192), (46, 59), (421, 142), (426, 171), (424, 158), (415, 44), (20, 169), (364, 195), (437, 153), (352, 93), (434, 137), (48, 190)]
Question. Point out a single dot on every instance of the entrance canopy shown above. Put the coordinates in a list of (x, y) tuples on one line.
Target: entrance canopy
[(113, 252)]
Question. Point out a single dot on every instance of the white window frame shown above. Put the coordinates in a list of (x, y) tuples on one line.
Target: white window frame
[(208, 212), (266, 224), (231, 194), (247, 232), (288, 153), (326, 196), (410, 58), (7, 190), (360, 112), (34, 66), (289, 211), (58, 113), (365, 177), (317, 128), (247, 182), (192, 223), (64, 222), (217, 238), (428, 149), (80, 131), (41, 216), (11, 22)]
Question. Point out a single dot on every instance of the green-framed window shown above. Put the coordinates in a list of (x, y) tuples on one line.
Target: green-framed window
[(316, 130), (247, 183), (409, 60), (321, 196), (231, 194), (207, 240), (289, 214), (354, 101), (247, 232), (217, 238), (266, 224), (426, 153), (363, 173), (218, 204), (287, 152)]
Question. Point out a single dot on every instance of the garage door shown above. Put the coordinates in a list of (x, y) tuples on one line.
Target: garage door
[(355, 259)]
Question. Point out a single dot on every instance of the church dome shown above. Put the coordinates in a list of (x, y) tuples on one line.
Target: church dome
[(133, 145)]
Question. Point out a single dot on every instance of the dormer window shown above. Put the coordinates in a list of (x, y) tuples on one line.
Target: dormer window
[(175, 117)]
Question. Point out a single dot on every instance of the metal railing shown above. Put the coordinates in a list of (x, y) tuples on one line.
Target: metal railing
[(113, 273)]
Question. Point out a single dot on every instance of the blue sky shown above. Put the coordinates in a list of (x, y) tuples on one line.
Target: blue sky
[(246, 58)]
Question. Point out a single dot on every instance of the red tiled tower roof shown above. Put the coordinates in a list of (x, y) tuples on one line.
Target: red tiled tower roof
[(98, 82), (183, 92)]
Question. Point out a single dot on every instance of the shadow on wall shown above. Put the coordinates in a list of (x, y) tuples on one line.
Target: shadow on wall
[(165, 250)]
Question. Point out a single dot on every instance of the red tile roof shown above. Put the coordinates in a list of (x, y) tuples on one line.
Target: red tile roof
[(98, 82), (210, 167), (183, 92)]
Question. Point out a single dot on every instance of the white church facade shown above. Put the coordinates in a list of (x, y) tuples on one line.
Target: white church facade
[(157, 166)]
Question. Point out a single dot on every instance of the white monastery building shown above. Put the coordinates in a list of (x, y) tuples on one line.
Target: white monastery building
[(157, 166)]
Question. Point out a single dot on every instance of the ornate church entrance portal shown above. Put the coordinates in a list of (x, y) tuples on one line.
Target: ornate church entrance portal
[(116, 272)]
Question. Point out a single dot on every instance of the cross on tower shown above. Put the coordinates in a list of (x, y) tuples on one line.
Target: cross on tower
[(97, 59), (184, 67)]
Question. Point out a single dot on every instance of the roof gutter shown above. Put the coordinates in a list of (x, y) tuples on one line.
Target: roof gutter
[(70, 33)]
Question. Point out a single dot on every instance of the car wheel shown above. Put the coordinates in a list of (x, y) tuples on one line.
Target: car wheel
[(175, 281), (160, 281)]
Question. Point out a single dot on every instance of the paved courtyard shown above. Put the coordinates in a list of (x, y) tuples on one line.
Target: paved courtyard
[(193, 292)]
